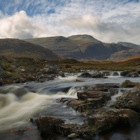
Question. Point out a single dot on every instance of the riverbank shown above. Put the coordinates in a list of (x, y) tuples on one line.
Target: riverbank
[(21, 70), (74, 101), (106, 107), (77, 99)]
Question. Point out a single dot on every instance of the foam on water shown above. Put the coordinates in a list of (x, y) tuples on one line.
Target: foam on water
[(68, 78), (16, 112), (18, 103), (113, 98)]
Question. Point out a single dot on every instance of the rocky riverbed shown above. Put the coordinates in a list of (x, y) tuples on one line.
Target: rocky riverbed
[(43, 100), (101, 115), (23, 70)]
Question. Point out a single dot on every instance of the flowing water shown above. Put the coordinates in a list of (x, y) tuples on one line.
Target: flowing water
[(20, 102)]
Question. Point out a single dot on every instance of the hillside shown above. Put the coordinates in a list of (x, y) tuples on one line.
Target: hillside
[(130, 45), (82, 47), (20, 48), (124, 54), (132, 58)]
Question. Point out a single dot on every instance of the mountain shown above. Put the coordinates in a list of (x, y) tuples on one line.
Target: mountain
[(82, 47), (62, 46), (130, 45), (124, 54), (135, 57), (20, 48)]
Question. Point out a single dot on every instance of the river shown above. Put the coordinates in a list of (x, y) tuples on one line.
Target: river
[(20, 102)]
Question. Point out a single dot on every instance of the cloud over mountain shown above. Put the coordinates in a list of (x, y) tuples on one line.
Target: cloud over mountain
[(18, 26), (109, 21)]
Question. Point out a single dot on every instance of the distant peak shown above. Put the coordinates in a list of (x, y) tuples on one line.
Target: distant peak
[(82, 37)]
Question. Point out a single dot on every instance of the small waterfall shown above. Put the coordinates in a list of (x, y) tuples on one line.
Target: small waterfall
[(68, 78), (115, 74), (16, 109), (113, 98), (72, 92)]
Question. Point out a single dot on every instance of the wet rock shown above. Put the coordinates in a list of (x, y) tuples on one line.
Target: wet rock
[(125, 73), (67, 129), (1, 82), (129, 99), (72, 136), (68, 66), (65, 100), (115, 73), (106, 73), (45, 77), (51, 128), (50, 69), (130, 73), (75, 104), (113, 91), (105, 120), (107, 85), (1, 70), (48, 126), (97, 75), (87, 101), (92, 95), (128, 84), (86, 75), (133, 74), (62, 74)]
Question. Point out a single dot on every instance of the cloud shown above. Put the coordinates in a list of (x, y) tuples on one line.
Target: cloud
[(108, 21), (18, 26)]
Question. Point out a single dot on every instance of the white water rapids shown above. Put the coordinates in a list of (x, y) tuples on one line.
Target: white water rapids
[(19, 103)]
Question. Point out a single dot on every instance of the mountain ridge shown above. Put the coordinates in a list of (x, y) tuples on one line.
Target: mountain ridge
[(83, 47), (20, 48)]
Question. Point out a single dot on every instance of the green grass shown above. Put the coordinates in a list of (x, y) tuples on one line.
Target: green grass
[(101, 65)]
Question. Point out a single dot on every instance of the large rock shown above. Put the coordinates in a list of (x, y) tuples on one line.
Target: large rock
[(48, 126), (130, 73), (105, 120), (94, 75), (1, 70), (129, 84), (51, 128), (129, 99), (50, 69), (87, 101), (86, 75), (92, 95), (97, 75), (108, 85)]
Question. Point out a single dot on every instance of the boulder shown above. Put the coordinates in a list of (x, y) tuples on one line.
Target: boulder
[(67, 130), (105, 120), (48, 126), (129, 99), (87, 101), (61, 73), (88, 96), (98, 75), (1, 70), (128, 84), (130, 73), (86, 75), (125, 73), (72, 136), (115, 73), (50, 69), (106, 73), (107, 85)]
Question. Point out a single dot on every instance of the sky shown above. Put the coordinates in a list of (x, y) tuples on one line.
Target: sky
[(105, 20)]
